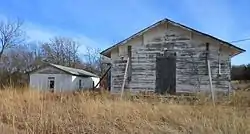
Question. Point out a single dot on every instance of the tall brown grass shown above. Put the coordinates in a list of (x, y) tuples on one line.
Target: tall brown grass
[(33, 112)]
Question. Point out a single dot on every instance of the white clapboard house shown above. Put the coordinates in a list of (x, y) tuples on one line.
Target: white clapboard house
[(60, 78)]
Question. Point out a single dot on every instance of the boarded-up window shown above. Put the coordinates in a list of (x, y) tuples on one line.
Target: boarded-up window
[(219, 62), (130, 65), (207, 56)]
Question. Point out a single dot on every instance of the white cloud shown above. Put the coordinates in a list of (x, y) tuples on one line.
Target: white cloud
[(35, 33), (40, 34)]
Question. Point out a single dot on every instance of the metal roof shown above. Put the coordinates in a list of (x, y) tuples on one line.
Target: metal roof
[(69, 70), (73, 71), (106, 51)]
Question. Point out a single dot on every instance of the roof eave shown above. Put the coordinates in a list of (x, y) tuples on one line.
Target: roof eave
[(74, 74), (107, 51), (84, 75), (239, 52)]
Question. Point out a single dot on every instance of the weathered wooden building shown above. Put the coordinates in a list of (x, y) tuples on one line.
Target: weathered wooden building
[(170, 57)]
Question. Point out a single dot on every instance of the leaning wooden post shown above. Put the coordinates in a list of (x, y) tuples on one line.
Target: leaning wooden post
[(125, 77), (210, 80)]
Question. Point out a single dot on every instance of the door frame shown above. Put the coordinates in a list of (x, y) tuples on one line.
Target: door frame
[(50, 79), (166, 55)]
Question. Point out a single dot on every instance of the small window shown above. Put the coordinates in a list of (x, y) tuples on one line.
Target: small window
[(129, 51), (80, 84), (51, 78), (51, 83)]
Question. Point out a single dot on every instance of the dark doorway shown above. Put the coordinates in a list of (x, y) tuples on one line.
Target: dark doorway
[(51, 84), (166, 74)]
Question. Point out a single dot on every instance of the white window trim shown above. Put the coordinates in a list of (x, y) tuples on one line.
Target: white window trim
[(219, 68)]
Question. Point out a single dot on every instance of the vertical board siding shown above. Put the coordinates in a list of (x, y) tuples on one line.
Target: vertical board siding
[(191, 65)]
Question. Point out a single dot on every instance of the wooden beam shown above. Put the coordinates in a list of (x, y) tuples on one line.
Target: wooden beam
[(191, 35), (207, 54), (219, 61), (130, 63), (102, 77), (210, 81), (125, 77)]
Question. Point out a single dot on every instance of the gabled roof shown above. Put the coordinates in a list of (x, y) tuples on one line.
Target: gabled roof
[(105, 52), (69, 70)]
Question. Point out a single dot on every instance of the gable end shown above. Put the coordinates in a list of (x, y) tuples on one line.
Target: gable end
[(235, 50)]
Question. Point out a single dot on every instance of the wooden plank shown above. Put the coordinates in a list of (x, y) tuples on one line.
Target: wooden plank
[(210, 80), (125, 77)]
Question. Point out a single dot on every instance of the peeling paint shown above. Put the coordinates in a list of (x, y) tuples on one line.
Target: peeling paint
[(191, 66)]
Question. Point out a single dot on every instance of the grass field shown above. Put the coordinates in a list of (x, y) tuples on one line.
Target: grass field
[(33, 112)]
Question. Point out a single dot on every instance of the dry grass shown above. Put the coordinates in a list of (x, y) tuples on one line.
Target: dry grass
[(33, 112)]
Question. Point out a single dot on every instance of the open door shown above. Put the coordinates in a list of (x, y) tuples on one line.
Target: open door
[(51, 82), (166, 74)]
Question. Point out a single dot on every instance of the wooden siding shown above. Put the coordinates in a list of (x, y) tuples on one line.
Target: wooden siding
[(191, 67)]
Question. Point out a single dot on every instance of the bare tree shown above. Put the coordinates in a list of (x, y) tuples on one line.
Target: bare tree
[(93, 60), (61, 50), (11, 35), (15, 63)]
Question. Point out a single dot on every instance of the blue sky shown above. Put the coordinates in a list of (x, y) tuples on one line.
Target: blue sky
[(100, 24)]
